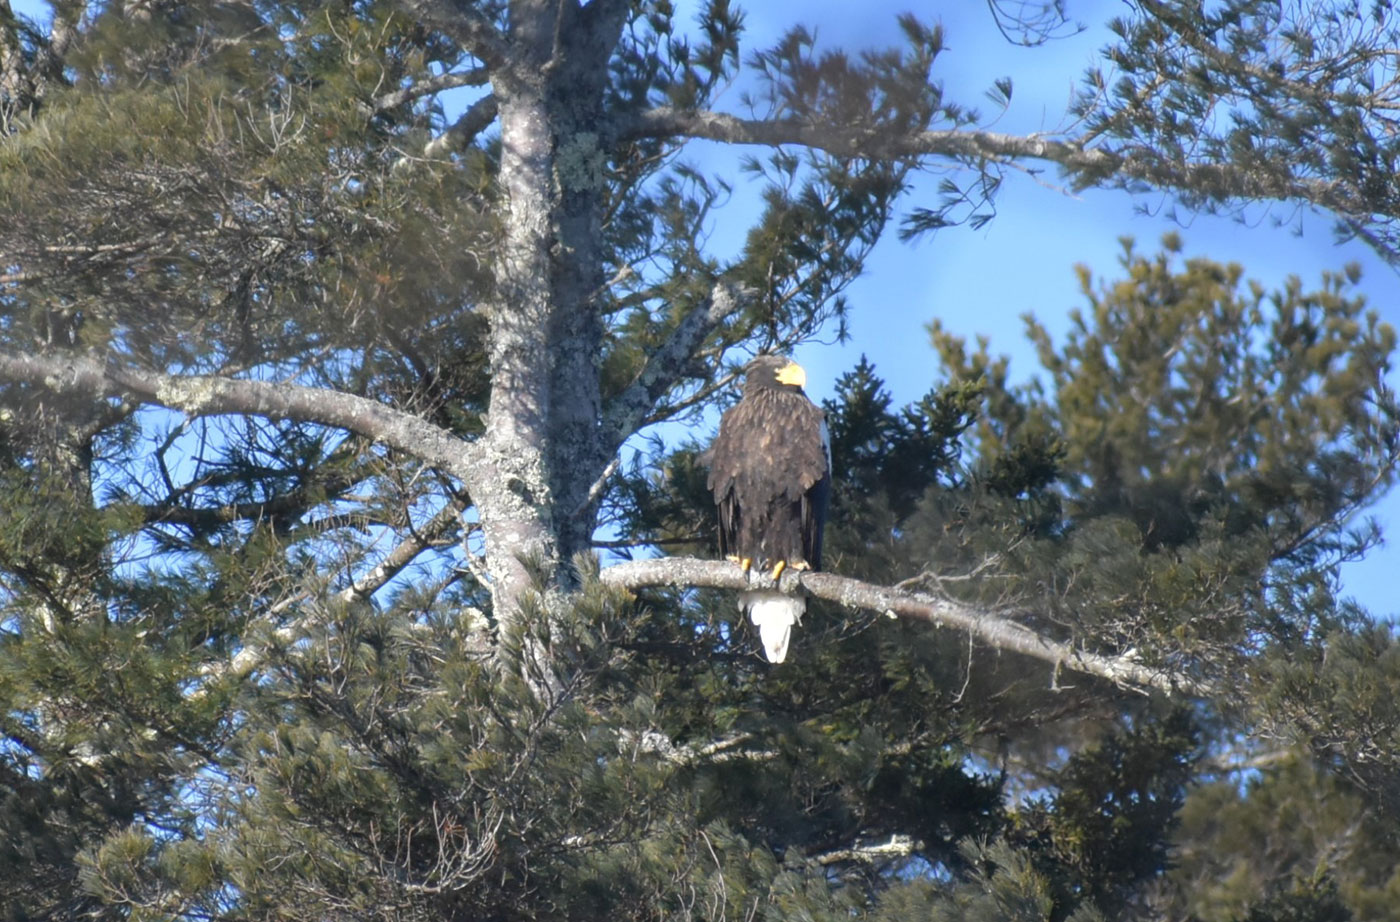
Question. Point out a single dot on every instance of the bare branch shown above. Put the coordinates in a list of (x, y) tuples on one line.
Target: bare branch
[(471, 123), (897, 847), (843, 141), (656, 743), (207, 395), (992, 627), (477, 76), (251, 655), (407, 550), (596, 490), (663, 368)]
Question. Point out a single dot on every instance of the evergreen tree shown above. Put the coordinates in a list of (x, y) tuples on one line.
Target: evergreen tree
[(313, 402)]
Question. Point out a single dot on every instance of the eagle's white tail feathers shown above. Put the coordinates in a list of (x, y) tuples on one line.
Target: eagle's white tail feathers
[(775, 614)]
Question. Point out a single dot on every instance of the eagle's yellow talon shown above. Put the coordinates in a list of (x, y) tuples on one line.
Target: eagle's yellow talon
[(801, 565), (746, 563), (778, 569)]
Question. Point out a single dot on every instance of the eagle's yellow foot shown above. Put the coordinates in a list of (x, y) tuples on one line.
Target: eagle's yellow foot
[(802, 565), (778, 569), (747, 564)]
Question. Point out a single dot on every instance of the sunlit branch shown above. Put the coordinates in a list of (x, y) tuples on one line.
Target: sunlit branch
[(403, 554), (664, 122), (898, 846), (633, 406), (423, 537), (474, 121), (1093, 164), (477, 76), (993, 627), (207, 395)]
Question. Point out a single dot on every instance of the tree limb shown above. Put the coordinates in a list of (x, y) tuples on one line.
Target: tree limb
[(477, 76), (656, 743), (471, 123), (251, 655), (463, 25), (870, 143), (990, 626), (209, 395), (290, 505), (407, 550), (899, 846), (1212, 180), (630, 409), (595, 30)]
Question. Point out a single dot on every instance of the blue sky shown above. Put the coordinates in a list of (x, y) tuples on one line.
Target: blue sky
[(982, 281)]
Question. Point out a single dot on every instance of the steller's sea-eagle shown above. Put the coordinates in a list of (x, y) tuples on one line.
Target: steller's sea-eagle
[(770, 473)]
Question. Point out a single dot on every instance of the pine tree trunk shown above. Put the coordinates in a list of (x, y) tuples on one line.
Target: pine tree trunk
[(544, 445)]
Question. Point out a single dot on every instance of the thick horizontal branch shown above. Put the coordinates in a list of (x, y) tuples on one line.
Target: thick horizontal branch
[(207, 395), (992, 627), (1215, 180), (664, 121), (898, 846)]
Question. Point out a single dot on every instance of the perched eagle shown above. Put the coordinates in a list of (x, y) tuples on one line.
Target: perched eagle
[(770, 473)]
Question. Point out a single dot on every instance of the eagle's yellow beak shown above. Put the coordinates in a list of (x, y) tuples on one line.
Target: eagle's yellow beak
[(793, 375)]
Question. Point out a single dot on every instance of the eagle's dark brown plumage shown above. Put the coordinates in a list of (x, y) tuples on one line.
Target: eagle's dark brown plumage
[(770, 473)]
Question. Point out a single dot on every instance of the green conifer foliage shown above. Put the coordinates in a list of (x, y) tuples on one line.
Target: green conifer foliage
[(1290, 831), (1205, 433), (315, 409)]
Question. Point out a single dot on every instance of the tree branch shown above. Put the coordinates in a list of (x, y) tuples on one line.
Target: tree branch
[(407, 550), (656, 743), (290, 505), (992, 627), (630, 409), (463, 25), (898, 846), (361, 590), (874, 144), (477, 76), (1213, 180), (596, 29), (208, 395), (463, 131)]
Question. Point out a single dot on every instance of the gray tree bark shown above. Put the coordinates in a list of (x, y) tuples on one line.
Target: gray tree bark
[(996, 628), (536, 474)]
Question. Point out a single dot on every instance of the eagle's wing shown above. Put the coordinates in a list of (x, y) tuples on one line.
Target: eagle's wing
[(726, 466), (817, 498), (770, 473)]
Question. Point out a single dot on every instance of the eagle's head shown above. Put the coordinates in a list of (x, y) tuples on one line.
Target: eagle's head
[(773, 371)]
